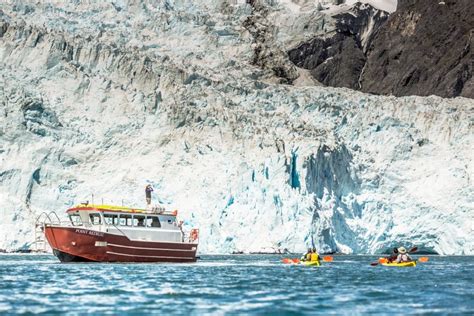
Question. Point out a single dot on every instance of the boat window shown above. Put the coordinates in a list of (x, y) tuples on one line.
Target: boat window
[(139, 220), (95, 218), (75, 219), (111, 219), (168, 219), (125, 220), (152, 221)]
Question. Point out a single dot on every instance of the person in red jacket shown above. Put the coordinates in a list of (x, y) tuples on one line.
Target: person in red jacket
[(393, 256)]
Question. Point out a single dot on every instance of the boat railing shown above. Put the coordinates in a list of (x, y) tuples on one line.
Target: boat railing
[(47, 218), (42, 220)]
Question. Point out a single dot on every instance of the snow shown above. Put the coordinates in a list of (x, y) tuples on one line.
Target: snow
[(168, 95), (299, 6), (386, 5)]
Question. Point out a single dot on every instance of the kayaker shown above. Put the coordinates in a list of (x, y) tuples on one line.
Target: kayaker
[(306, 256), (393, 256), (314, 255), (403, 256)]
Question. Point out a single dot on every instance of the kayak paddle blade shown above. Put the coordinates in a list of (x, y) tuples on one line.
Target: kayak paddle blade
[(373, 264), (286, 260), (423, 259), (327, 259), (295, 260)]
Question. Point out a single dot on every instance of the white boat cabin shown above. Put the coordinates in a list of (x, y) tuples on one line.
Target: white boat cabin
[(135, 224)]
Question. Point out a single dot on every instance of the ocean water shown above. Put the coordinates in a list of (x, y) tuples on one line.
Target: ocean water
[(238, 284)]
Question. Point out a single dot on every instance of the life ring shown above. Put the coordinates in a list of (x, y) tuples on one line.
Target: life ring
[(194, 234)]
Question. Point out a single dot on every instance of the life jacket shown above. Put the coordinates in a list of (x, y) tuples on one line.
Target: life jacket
[(308, 256), (392, 258), (403, 257), (314, 257)]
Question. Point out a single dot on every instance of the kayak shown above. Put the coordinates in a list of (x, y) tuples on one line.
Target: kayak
[(401, 264), (311, 263)]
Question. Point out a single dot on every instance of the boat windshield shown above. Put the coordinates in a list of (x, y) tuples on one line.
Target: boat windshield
[(111, 219), (95, 218), (75, 219), (168, 219), (153, 221), (139, 220)]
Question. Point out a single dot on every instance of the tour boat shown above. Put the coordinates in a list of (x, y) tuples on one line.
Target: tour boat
[(106, 233)]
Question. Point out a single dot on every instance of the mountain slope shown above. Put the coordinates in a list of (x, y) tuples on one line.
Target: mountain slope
[(413, 55), (406, 53)]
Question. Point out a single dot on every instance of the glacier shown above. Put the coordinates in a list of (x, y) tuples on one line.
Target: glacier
[(199, 99)]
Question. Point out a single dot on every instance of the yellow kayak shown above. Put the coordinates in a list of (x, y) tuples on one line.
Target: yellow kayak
[(401, 264), (311, 263)]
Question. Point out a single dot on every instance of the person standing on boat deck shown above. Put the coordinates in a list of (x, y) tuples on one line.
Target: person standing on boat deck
[(148, 190), (403, 256)]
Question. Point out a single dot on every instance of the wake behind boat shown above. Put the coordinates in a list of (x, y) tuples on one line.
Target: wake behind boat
[(106, 233)]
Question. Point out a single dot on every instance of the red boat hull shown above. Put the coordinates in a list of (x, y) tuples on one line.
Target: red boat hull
[(80, 244)]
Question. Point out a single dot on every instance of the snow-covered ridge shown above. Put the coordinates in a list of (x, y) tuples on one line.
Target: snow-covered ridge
[(385, 5), (337, 5), (170, 95)]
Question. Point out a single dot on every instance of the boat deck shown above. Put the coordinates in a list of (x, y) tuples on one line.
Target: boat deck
[(120, 209)]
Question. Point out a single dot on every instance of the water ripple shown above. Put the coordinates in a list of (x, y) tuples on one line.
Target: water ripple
[(235, 285)]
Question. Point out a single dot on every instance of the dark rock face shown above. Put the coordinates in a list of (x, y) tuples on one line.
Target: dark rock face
[(338, 60), (423, 48), (266, 55)]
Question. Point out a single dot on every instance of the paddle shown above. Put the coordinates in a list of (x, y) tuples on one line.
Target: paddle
[(421, 259), (381, 260), (296, 260)]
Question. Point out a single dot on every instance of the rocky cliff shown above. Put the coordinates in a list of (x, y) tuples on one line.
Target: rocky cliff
[(339, 59), (423, 48)]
